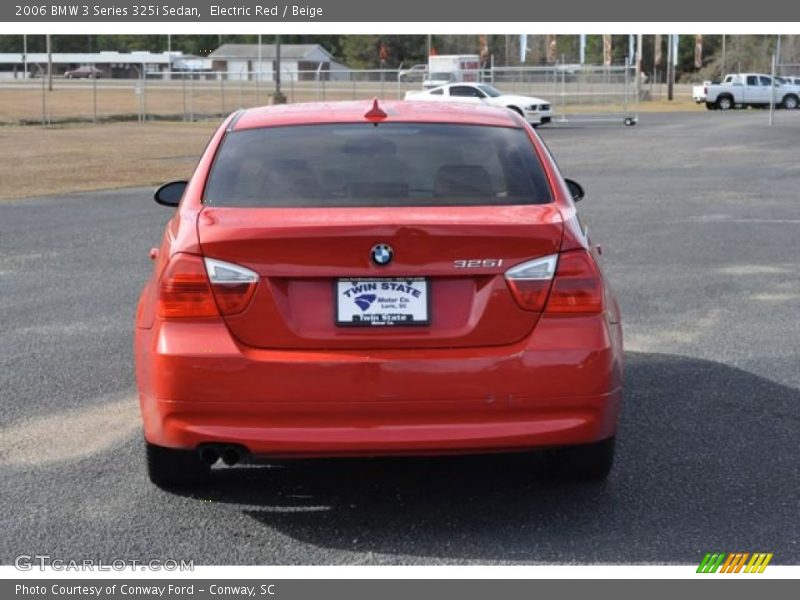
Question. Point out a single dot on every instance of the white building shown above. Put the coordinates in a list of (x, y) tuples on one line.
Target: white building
[(299, 62)]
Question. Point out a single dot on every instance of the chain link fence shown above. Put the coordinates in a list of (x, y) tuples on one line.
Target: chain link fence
[(788, 70), (575, 93)]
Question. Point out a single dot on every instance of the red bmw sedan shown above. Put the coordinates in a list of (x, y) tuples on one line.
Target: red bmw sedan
[(365, 278)]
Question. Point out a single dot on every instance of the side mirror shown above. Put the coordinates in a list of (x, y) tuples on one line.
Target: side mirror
[(170, 194), (575, 189)]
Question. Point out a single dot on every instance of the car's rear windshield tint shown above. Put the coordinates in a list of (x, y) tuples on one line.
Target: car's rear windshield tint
[(390, 164)]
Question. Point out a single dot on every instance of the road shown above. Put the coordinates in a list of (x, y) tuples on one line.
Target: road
[(699, 219)]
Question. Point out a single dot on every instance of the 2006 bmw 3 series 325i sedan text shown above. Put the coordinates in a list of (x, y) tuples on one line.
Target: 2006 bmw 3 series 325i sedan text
[(365, 278)]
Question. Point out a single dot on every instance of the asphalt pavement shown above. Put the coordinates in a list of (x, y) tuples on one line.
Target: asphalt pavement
[(699, 219)]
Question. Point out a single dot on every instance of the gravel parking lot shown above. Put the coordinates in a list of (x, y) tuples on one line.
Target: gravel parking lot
[(699, 219)]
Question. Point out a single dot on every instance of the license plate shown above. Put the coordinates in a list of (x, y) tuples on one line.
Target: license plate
[(383, 302)]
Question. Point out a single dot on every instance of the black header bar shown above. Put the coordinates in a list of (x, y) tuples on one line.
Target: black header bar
[(441, 11)]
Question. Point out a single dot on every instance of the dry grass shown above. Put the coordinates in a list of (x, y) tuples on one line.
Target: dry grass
[(78, 103), (77, 158)]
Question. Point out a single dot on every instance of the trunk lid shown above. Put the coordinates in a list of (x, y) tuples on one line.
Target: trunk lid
[(300, 253)]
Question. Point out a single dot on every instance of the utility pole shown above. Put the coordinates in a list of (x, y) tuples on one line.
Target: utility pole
[(277, 65), (278, 97), (772, 94), (258, 72), (25, 55), (49, 64), (723, 57), (639, 66), (582, 49), (670, 67), (657, 61)]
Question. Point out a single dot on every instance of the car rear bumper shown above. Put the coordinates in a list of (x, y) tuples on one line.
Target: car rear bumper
[(562, 386)]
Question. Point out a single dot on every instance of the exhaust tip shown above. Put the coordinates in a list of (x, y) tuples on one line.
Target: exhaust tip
[(209, 455), (231, 455)]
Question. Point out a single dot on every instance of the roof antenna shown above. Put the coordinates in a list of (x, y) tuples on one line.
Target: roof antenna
[(376, 113)]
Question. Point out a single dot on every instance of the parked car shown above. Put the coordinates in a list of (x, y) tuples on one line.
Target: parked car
[(85, 72), (740, 90), (534, 110), (415, 73), (367, 279)]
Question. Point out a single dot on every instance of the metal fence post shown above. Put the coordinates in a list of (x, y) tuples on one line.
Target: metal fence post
[(191, 98), (222, 93), (183, 93), (241, 88), (94, 97), (44, 104), (144, 93)]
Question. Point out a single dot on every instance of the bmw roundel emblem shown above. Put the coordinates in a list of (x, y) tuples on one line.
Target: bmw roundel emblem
[(382, 254)]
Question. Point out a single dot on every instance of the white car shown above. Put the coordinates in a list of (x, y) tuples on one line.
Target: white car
[(534, 110)]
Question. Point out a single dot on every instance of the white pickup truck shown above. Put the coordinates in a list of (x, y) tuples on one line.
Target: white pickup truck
[(740, 90), (699, 91)]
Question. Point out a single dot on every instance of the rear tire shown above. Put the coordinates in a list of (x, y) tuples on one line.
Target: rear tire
[(725, 103), (170, 468), (790, 102), (587, 462)]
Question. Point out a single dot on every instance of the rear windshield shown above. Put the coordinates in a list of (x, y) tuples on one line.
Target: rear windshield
[(390, 164)]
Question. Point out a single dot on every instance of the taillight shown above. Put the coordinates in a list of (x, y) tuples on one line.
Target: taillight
[(195, 287), (233, 286), (185, 290), (577, 287), (530, 281)]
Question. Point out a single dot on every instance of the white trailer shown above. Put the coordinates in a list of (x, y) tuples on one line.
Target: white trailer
[(452, 68)]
